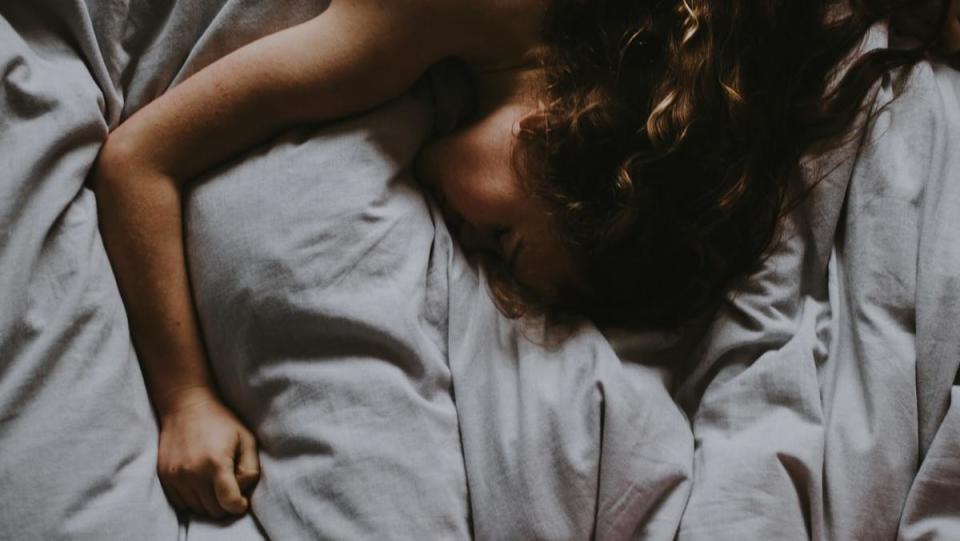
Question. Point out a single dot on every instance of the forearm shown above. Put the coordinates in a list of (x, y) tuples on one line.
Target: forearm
[(141, 224)]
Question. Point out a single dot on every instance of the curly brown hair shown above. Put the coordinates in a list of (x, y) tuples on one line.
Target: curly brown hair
[(671, 131)]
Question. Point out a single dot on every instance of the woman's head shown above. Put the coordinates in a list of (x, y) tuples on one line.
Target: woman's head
[(653, 162), (488, 204)]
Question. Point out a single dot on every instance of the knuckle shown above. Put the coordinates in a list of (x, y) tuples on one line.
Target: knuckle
[(190, 474), (169, 471), (208, 465), (222, 463), (247, 475), (200, 467), (248, 468), (226, 499), (235, 505)]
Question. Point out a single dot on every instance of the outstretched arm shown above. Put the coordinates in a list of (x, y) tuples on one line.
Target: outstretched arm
[(354, 56)]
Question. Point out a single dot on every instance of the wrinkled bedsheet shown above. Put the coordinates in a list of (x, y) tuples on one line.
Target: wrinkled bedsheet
[(344, 326), (823, 396)]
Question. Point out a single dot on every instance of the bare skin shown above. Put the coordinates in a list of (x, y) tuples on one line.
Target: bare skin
[(375, 50), (951, 29)]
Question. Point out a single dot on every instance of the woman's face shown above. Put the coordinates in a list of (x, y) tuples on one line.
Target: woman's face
[(471, 172)]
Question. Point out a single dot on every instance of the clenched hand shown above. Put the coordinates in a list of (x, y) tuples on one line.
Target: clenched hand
[(207, 461)]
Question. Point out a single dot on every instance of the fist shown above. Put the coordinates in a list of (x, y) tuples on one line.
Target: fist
[(207, 461)]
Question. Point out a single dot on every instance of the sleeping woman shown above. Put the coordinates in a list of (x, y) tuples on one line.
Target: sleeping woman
[(626, 160)]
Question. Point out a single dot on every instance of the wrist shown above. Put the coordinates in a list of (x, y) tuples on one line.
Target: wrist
[(181, 398)]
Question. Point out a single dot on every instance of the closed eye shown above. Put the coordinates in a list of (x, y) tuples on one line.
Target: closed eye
[(514, 255), (510, 245), (501, 236)]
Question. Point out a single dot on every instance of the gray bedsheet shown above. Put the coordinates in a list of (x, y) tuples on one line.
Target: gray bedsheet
[(346, 328), (821, 397), (77, 436)]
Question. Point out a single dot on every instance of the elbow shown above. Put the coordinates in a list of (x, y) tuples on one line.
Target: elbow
[(123, 165), (115, 164), (126, 184)]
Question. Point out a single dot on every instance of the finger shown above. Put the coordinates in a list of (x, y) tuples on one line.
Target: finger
[(174, 498), (208, 501), (191, 500), (248, 463), (227, 491)]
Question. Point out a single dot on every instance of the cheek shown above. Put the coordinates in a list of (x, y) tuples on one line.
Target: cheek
[(449, 160), (473, 169)]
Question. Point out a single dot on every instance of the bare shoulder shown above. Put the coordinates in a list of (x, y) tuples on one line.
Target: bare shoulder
[(476, 30)]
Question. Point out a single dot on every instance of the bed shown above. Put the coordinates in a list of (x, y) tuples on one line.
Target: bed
[(390, 398)]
